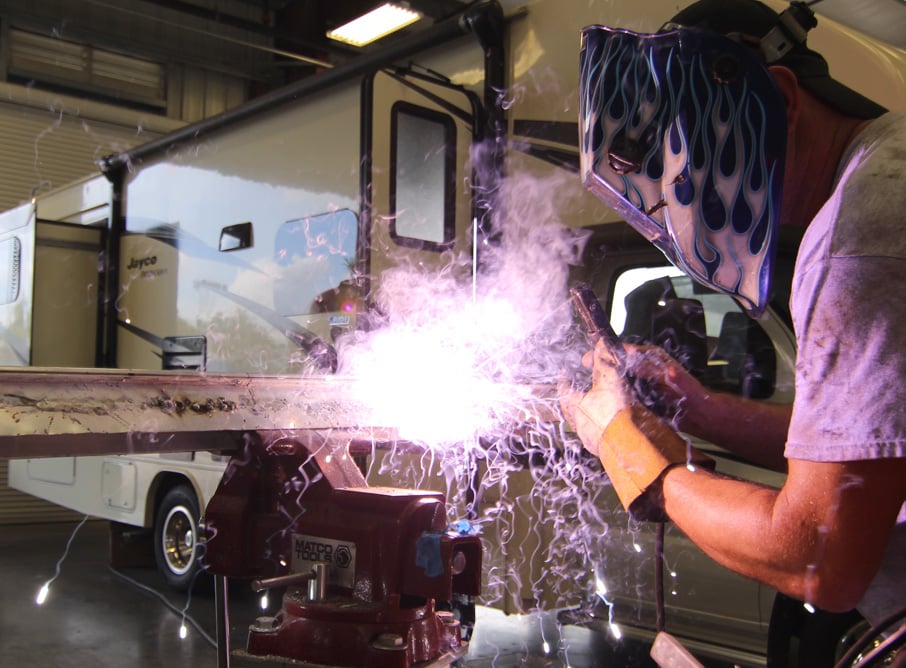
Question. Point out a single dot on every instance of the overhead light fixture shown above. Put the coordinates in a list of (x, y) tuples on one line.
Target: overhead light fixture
[(374, 25)]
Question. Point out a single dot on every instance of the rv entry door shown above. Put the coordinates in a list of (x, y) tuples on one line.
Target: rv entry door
[(418, 130)]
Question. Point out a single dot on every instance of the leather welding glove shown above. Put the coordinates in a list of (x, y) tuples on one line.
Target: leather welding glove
[(635, 447)]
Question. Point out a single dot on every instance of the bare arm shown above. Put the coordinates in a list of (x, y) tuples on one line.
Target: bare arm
[(820, 538), (755, 430)]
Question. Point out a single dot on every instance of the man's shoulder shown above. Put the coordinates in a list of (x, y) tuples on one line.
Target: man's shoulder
[(865, 214), (877, 152)]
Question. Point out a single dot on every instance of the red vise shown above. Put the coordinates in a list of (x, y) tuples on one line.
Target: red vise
[(369, 563)]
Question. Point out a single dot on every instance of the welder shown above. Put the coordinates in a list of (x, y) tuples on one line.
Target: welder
[(706, 137)]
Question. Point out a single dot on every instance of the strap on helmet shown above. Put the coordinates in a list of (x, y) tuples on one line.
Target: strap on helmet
[(793, 24)]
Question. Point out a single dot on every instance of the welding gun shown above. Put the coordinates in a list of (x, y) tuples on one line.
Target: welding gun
[(597, 327), (596, 322)]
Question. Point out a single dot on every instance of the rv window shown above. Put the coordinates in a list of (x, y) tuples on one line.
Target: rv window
[(313, 255), (10, 252), (422, 177)]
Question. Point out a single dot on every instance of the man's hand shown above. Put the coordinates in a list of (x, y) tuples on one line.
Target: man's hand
[(669, 380), (755, 430), (634, 446), (590, 412)]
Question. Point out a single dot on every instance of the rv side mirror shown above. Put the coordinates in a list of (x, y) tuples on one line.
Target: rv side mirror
[(235, 237), (678, 326), (746, 357)]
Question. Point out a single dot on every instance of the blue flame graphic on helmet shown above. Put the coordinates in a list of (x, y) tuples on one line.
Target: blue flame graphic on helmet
[(684, 134)]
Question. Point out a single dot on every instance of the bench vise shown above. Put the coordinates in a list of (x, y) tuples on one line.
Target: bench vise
[(365, 567)]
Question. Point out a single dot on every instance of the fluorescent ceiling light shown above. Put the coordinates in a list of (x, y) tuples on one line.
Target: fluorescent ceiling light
[(377, 23)]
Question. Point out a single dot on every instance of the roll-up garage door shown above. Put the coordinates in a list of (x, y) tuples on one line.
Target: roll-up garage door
[(47, 141)]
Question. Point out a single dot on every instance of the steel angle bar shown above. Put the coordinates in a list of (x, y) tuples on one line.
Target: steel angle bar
[(53, 412)]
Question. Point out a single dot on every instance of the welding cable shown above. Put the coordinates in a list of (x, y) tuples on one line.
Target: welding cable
[(166, 603), (60, 561), (659, 576)]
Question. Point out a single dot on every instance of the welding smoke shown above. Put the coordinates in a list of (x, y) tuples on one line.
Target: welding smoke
[(446, 342), (443, 362)]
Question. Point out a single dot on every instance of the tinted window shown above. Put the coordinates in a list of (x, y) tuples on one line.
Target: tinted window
[(705, 330), (422, 188), (313, 254)]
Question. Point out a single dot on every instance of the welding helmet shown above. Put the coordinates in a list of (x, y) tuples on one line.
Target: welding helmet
[(684, 134)]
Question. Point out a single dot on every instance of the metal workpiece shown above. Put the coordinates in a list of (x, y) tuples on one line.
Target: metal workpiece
[(111, 401), (120, 412)]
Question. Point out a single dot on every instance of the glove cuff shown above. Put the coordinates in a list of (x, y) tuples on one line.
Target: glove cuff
[(636, 450)]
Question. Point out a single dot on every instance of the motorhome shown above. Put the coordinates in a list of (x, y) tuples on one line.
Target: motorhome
[(252, 242)]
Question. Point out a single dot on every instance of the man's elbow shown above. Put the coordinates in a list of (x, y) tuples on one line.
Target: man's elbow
[(834, 601), (830, 592)]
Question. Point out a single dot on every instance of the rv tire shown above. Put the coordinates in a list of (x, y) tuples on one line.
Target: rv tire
[(176, 535)]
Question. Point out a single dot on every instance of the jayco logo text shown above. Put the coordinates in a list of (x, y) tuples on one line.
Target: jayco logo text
[(142, 262)]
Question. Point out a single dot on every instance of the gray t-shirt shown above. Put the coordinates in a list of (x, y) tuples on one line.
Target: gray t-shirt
[(849, 312)]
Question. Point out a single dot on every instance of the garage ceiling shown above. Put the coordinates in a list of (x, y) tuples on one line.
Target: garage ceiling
[(272, 42), (883, 19), (259, 40)]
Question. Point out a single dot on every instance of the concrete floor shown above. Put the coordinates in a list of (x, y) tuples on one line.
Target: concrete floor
[(93, 617)]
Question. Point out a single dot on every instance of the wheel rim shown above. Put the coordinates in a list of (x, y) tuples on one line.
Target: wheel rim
[(178, 540)]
